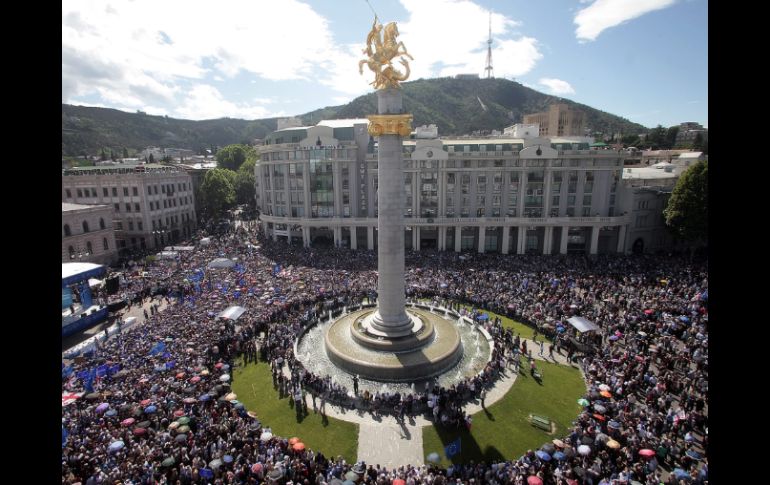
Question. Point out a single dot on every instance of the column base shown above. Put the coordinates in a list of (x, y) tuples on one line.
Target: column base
[(404, 325)]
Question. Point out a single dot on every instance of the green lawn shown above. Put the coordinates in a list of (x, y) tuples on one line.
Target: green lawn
[(525, 331), (328, 435), (503, 431)]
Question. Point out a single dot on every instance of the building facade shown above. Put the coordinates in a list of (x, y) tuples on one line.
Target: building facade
[(318, 185), (87, 234), (559, 120), (153, 205)]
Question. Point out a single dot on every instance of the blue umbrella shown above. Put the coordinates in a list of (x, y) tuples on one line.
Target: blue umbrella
[(206, 473), (150, 409), (116, 445), (684, 319), (235, 402), (227, 459), (694, 454), (560, 456), (613, 424), (560, 329), (613, 338), (483, 316), (204, 397), (111, 413), (680, 474), (543, 455)]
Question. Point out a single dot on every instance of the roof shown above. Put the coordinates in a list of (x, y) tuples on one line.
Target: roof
[(232, 312), (67, 207), (583, 325), (343, 123), (647, 173), (691, 155), (74, 272)]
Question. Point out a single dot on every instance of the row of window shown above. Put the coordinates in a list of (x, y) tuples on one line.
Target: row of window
[(86, 229), (90, 192), (89, 249)]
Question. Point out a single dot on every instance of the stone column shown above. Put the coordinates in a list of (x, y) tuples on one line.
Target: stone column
[(547, 239), (442, 238), (622, 239), (369, 238), (506, 239), (564, 240), (458, 237), (391, 318), (521, 241), (415, 238), (482, 238), (305, 236), (353, 238), (594, 240)]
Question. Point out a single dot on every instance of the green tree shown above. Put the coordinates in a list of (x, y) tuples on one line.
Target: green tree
[(152, 158), (656, 138), (697, 142), (103, 155), (233, 156), (216, 192), (687, 211), (671, 134), (125, 152), (244, 183), (631, 141)]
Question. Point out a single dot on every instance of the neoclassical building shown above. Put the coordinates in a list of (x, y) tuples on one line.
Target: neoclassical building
[(318, 184), (87, 234)]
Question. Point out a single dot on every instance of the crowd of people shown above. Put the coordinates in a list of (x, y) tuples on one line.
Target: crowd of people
[(647, 380)]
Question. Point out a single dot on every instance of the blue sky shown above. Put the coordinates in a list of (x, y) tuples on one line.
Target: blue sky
[(645, 60)]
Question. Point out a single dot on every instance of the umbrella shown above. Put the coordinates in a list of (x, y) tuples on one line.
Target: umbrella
[(599, 417), (238, 405), (189, 400), (684, 319), (256, 468), (150, 409), (215, 464), (604, 387), (646, 452), (294, 440), (582, 402), (224, 377), (205, 372), (299, 446), (543, 455), (227, 458), (111, 413), (349, 482), (681, 474), (548, 448), (569, 452), (433, 457), (204, 397), (277, 473), (599, 408), (168, 461), (235, 402), (139, 431), (183, 429), (102, 407), (128, 422), (694, 455), (605, 394), (218, 365), (352, 476), (602, 438), (93, 396), (397, 481), (116, 445), (533, 480), (195, 379), (266, 436), (180, 375), (206, 473), (558, 443), (180, 438), (179, 412), (613, 424), (145, 402), (173, 425), (144, 424), (559, 456), (231, 396), (579, 471), (584, 450), (612, 444), (183, 420), (586, 440)]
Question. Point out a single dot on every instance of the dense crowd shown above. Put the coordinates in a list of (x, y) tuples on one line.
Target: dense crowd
[(650, 356)]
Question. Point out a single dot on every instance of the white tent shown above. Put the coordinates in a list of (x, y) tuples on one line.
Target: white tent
[(221, 263), (583, 325), (168, 254), (92, 282), (232, 313), (205, 241), (179, 248)]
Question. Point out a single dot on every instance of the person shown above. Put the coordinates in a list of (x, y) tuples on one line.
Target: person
[(355, 384), (483, 396)]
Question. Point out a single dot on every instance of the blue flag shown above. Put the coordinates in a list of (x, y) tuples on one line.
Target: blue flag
[(113, 369), (158, 348), (101, 371), (89, 382), (64, 435), (276, 269), (452, 448)]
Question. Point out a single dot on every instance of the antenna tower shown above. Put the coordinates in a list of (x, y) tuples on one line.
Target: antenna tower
[(489, 69)]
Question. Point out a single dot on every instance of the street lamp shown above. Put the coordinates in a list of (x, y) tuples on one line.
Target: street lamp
[(79, 254), (161, 231)]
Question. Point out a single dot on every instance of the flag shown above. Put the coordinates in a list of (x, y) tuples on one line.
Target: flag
[(452, 448), (89, 382), (64, 435), (158, 348), (101, 371), (276, 269), (113, 369), (170, 365)]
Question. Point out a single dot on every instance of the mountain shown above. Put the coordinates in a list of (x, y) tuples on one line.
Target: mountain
[(457, 106)]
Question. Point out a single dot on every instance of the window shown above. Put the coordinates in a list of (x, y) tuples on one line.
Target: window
[(128, 207), (125, 191), (101, 223), (139, 224), (69, 193), (114, 191), (135, 191), (89, 248), (67, 231), (136, 207), (85, 226), (105, 192), (105, 244), (80, 193), (71, 250), (117, 207), (149, 190), (93, 192), (130, 225)]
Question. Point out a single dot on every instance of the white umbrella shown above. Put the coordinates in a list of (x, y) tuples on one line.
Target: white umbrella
[(584, 450), (434, 458), (604, 387), (224, 377), (266, 436)]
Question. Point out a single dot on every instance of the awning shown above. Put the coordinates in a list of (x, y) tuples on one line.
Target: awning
[(94, 282), (232, 313), (583, 325)]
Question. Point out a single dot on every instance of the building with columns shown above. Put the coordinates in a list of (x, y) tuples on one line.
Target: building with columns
[(153, 205), (318, 185), (87, 234)]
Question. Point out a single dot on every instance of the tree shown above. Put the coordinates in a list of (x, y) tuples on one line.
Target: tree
[(656, 138), (671, 134), (697, 142), (687, 210), (233, 156), (152, 158), (244, 183), (125, 152), (216, 192), (103, 156)]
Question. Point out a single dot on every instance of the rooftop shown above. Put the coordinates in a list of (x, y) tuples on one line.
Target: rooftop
[(67, 207)]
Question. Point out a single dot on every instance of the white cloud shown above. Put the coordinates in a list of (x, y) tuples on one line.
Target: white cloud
[(206, 102), (603, 14), (556, 86)]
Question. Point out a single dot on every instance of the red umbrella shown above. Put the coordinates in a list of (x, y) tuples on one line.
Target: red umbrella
[(179, 412), (256, 468), (398, 481), (139, 431), (533, 480), (599, 417), (298, 446), (195, 379), (646, 452), (648, 311), (145, 402), (294, 440), (219, 365), (128, 422), (180, 375), (606, 393)]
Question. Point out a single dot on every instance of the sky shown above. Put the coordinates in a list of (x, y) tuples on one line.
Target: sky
[(644, 60)]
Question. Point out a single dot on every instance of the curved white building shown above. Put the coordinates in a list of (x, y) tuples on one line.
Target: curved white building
[(318, 185)]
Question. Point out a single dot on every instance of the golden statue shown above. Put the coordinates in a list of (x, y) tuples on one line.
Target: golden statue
[(381, 48)]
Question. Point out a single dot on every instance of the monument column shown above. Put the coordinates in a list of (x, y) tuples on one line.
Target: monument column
[(390, 125)]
